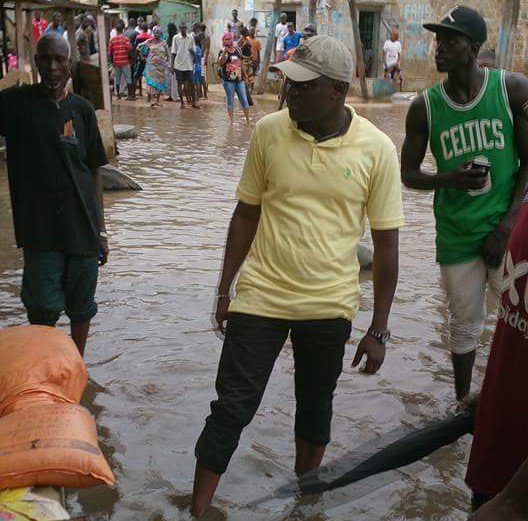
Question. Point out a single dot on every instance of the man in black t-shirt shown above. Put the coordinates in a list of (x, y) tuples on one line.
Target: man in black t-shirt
[(54, 151)]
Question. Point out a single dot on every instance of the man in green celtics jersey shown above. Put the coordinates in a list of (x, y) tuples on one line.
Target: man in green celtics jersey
[(476, 116)]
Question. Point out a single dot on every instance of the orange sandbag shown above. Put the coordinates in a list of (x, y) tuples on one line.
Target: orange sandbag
[(51, 445), (38, 365)]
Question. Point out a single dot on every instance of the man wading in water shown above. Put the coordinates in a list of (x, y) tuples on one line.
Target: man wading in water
[(474, 113), (54, 152), (311, 175)]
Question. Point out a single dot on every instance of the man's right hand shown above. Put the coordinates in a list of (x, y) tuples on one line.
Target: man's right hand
[(464, 178), (222, 307)]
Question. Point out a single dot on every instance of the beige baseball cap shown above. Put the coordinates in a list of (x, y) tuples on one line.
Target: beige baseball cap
[(318, 56)]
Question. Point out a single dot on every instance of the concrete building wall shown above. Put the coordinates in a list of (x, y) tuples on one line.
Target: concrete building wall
[(333, 18)]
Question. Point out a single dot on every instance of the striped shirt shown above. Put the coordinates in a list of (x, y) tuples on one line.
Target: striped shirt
[(119, 50)]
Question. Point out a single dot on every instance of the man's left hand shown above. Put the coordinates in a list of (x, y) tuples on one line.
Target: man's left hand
[(375, 352), (494, 247), (497, 509), (103, 251)]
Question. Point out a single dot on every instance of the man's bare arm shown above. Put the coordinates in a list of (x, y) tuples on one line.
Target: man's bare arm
[(385, 277), (413, 153), (495, 243), (414, 148), (241, 233), (103, 243), (517, 86)]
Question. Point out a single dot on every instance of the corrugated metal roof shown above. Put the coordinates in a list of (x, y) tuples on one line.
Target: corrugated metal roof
[(133, 2), (42, 4)]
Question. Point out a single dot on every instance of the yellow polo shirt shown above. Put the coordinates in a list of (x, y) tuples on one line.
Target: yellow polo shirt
[(314, 198)]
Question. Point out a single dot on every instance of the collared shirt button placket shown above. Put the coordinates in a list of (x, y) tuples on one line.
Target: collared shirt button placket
[(316, 157)]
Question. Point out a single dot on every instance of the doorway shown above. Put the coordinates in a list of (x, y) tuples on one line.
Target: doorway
[(292, 17), (369, 31)]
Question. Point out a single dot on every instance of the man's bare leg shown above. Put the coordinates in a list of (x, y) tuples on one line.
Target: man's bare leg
[(205, 485), (307, 456), (181, 93), (79, 334), (463, 369), (192, 90)]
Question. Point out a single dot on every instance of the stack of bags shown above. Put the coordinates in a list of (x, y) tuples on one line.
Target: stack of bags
[(46, 437)]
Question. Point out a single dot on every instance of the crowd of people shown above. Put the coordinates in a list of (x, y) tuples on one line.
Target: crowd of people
[(173, 63), (312, 174)]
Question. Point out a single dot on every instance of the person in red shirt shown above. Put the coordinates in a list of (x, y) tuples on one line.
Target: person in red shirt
[(39, 25), (119, 50), (498, 465)]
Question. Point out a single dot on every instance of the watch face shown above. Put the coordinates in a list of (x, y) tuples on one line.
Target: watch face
[(385, 337)]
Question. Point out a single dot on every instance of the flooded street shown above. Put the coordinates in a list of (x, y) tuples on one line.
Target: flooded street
[(152, 354)]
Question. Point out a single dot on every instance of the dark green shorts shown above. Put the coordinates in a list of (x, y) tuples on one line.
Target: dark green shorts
[(54, 282)]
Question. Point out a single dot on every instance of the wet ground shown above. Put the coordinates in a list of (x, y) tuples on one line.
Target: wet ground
[(152, 354)]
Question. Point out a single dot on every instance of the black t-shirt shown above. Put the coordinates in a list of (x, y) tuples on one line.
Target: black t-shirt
[(232, 68), (246, 48), (52, 149)]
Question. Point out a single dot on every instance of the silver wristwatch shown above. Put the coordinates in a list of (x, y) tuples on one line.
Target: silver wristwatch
[(382, 336)]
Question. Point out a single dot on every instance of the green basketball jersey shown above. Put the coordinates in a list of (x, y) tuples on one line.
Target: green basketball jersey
[(459, 133)]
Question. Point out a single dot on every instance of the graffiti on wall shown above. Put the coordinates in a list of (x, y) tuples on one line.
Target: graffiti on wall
[(188, 18), (334, 19), (178, 12), (415, 40)]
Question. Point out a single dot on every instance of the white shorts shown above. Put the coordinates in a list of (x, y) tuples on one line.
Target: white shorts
[(466, 284)]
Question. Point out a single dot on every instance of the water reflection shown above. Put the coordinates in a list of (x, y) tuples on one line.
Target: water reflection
[(152, 355)]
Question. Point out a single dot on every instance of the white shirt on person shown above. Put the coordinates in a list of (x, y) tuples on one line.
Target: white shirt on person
[(184, 60), (392, 52), (281, 30)]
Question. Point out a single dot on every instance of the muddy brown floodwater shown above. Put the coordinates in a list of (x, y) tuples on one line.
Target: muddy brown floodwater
[(152, 354)]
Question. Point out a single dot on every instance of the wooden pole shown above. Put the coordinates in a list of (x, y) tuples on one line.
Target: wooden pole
[(507, 34), (4, 42), (312, 10), (70, 27), (359, 50), (21, 53), (103, 62), (262, 77), (32, 47)]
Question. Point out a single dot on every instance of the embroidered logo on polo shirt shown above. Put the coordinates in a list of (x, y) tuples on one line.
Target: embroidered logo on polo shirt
[(348, 173)]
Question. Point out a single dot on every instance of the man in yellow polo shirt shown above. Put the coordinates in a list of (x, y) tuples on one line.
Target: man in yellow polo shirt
[(312, 174)]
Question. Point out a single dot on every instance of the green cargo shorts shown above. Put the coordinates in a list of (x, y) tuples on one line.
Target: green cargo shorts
[(54, 282)]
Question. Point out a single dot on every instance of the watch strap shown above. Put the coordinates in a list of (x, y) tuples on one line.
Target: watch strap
[(382, 336)]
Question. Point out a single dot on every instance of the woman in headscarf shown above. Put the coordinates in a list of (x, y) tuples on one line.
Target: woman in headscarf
[(228, 30), (157, 55), (230, 60), (172, 87), (244, 44)]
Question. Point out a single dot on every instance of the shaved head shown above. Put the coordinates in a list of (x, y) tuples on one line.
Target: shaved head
[(53, 60), (54, 40)]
